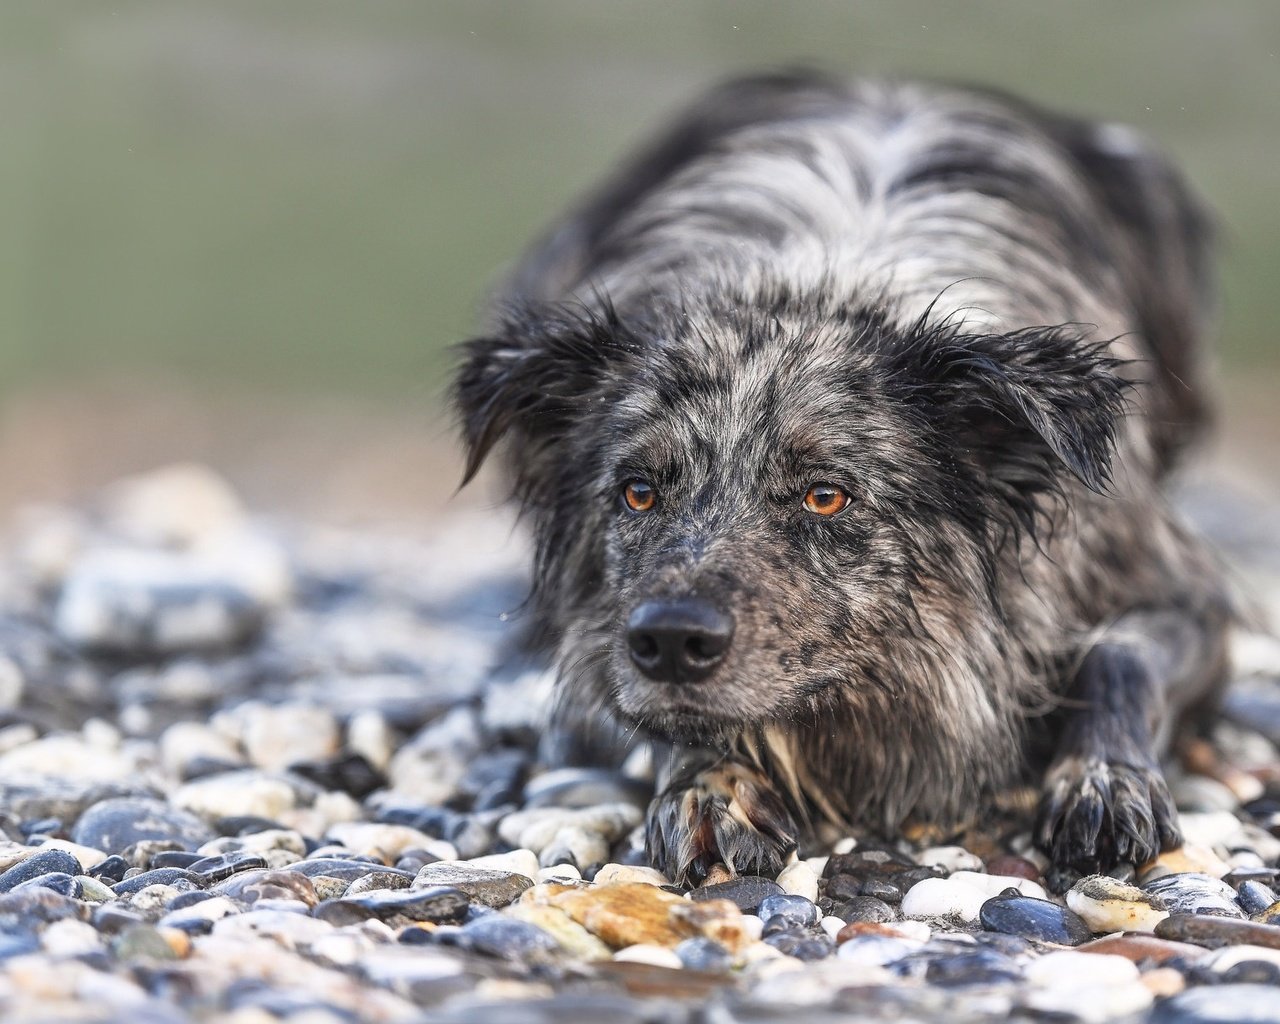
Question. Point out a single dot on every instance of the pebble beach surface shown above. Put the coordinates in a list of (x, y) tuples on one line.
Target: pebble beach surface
[(255, 772)]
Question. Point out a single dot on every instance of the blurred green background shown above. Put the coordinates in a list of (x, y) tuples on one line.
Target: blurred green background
[(309, 197)]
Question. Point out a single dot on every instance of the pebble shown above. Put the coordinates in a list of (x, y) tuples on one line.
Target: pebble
[(799, 879), (746, 892), (943, 897), (113, 826), (141, 602), (791, 910), (1195, 893), (952, 858), (438, 904), (1213, 931), (612, 874), (573, 938), (508, 939), (703, 954), (42, 863), (1107, 905), (1031, 918), (657, 956), (489, 886), (1220, 1004), (303, 862)]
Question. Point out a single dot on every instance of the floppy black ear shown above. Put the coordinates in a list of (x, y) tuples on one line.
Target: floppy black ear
[(1025, 406), (531, 377)]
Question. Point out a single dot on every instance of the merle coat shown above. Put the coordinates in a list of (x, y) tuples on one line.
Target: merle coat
[(975, 326)]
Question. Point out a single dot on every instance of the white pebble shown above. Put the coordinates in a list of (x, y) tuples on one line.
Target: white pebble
[(522, 862), (943, 897), (369, 735), (994, 885), (799, 880), (612, 874), (953, 858), (875, 950), (70, 937), (1083, 969), (645, 953), (559, 873), (818, 864), (1107, 905), (1224, 959), (1209, 828), (831, 925), (846, 845)]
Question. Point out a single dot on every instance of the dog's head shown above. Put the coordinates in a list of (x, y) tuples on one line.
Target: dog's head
[(740, 511)]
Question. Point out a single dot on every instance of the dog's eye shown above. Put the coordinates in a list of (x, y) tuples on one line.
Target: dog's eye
[(639, 496), (825, 499)]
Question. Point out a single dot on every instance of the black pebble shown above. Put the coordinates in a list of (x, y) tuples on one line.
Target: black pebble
[(801, 944), (747, 892), (160, 876), (866, 909), (174, 859), (224, 865), (1015, 914), (43, 863), (110, 870)]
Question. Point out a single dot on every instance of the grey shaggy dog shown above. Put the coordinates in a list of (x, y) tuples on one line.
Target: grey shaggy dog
[(840, 414)]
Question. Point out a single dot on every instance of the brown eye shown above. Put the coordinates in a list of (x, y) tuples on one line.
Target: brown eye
[(825, 499), (639, 496)]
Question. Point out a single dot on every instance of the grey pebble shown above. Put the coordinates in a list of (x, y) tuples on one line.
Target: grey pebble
[(114, 825), (492, 888), (1193, 893)]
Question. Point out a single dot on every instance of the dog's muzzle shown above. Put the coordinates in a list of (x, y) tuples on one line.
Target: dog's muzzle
[(678, 641)]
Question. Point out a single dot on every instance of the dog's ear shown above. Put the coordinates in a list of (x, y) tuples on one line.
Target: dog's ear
[(1024, 406), (532, 376)]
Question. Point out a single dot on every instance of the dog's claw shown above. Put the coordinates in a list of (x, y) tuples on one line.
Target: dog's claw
[(726, 813), (1096, 814)]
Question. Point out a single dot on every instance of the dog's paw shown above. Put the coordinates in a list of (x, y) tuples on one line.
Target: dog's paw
[(1096, 814), (728, 813)]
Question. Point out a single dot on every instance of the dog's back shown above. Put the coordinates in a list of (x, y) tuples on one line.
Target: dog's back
[(952, 201)]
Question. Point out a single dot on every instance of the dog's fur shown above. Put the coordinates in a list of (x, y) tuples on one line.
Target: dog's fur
[(985, 323)]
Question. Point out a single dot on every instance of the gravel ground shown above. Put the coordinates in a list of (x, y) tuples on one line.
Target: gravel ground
[(254, 771)]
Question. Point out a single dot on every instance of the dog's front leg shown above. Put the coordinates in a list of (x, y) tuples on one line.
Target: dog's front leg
[(1105, 798), (717, 809)]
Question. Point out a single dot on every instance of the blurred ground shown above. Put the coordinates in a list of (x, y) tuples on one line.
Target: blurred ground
[(247, 233)]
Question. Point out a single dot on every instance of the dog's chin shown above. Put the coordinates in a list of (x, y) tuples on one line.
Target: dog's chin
[(691, 714)]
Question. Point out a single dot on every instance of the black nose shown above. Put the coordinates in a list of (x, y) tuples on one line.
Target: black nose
[(678, 641)]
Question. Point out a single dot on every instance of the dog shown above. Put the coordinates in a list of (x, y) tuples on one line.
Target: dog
[(840, 413)]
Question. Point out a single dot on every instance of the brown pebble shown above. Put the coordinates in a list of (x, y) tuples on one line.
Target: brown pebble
[(1014, 866), (631, 913), (718, 873), (855, 928), (1163, 981), (178, 940), (1204, 930), (1140, 946), (1269, 916)]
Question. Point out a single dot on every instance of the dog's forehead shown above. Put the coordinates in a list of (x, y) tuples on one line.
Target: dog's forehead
[(807, 393)]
